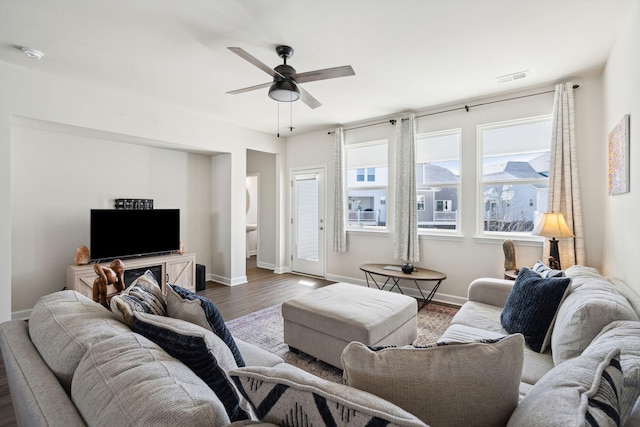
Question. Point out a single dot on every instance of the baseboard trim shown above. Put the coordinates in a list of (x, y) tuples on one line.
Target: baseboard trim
[(282, 270), (226, 280), (265, 265)]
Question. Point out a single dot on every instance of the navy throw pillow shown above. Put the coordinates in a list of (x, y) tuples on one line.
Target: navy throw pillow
[(214, 320), (532, 305)]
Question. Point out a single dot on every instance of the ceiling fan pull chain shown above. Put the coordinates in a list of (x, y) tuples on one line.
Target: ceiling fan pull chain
[(291, 117), (278, 126)]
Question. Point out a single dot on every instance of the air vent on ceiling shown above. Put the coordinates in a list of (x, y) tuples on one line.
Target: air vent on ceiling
[(513, 76)]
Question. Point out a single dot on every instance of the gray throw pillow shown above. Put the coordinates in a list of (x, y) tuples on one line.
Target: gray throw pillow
[(464, 384), (624, 335), (579, 392), (186, 305)]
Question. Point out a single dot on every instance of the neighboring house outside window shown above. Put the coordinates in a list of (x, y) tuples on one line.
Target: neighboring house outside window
[(513, 171), (367, 183), (438, 180)]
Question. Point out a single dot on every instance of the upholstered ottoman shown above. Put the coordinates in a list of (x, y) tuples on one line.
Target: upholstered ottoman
[(321, 323)]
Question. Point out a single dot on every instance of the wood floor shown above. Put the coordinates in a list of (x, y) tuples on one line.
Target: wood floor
[(264, 289)]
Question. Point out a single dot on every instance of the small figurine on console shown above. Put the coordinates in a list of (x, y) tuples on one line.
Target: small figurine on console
[(82, 255), (112, 275)]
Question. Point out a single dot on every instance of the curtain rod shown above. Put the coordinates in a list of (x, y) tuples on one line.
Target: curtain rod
[(466, 107)]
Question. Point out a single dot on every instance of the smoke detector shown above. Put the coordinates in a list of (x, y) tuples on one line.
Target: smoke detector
[(32, 53), (513, 76)]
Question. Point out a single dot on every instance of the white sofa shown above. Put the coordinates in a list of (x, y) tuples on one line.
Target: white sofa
[(480, 374), (598, 315), (75, 363)]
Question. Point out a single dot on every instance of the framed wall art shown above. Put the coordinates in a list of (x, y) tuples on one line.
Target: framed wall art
[(619, 157)]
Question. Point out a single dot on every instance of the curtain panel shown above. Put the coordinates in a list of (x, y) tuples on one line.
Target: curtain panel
[(339, 194), (406, 247), (564, 187)]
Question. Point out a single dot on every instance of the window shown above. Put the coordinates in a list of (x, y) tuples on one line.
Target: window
[(438, 179), (366, 174), (367, 182), (513, 171)]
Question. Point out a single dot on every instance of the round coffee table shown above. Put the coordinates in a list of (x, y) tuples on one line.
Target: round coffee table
[(393, 274)]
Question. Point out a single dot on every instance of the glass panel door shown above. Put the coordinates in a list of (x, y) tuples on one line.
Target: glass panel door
[(308, 222)]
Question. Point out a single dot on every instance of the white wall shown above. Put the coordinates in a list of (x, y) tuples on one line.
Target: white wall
[(622, 96), (92, 112), (463, 257), (57, 177)]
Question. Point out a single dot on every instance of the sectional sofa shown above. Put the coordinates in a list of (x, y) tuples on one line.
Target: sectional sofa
[(78, 363)]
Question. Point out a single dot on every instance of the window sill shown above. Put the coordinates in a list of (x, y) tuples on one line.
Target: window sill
[(532, 241), (368, 231), (455, 237)]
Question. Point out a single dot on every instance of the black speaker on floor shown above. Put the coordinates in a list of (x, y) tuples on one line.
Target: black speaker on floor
[(200, 278)]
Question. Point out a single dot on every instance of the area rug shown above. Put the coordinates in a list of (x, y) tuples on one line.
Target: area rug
[(265, 329)]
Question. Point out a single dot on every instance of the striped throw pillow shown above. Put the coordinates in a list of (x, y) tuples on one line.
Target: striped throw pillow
[(144, 295)]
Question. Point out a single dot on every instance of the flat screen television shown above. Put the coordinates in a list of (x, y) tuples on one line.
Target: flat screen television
[(123, 233)]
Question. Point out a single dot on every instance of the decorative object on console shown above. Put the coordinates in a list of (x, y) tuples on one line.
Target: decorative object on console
[(619, 157), (509, 255), (112, 275), (552, 224), (82, 255), (407, 268), (133, 204)]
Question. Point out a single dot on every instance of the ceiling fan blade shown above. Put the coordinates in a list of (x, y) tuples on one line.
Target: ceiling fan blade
[(255, 61), (250, 88), (308, 99), (327, 73)]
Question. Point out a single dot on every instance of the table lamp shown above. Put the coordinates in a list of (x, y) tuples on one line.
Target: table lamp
[(552, 224)]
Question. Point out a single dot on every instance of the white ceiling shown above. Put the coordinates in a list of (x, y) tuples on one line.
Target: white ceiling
[(407, 54)]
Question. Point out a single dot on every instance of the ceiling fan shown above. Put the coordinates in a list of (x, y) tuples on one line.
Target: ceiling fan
[(285, 85)]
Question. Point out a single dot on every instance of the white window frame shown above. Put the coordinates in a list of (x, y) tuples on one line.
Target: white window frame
[(480, 231), (366, 185), (458, 184)]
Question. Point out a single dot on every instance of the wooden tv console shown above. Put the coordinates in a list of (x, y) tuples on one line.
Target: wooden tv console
[(176, 269)]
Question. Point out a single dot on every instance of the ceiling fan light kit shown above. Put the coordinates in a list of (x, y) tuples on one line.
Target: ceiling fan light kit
[(284, 91)]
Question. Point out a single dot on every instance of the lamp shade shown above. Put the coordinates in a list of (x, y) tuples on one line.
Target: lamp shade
[(552, 224), (284, 91)]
